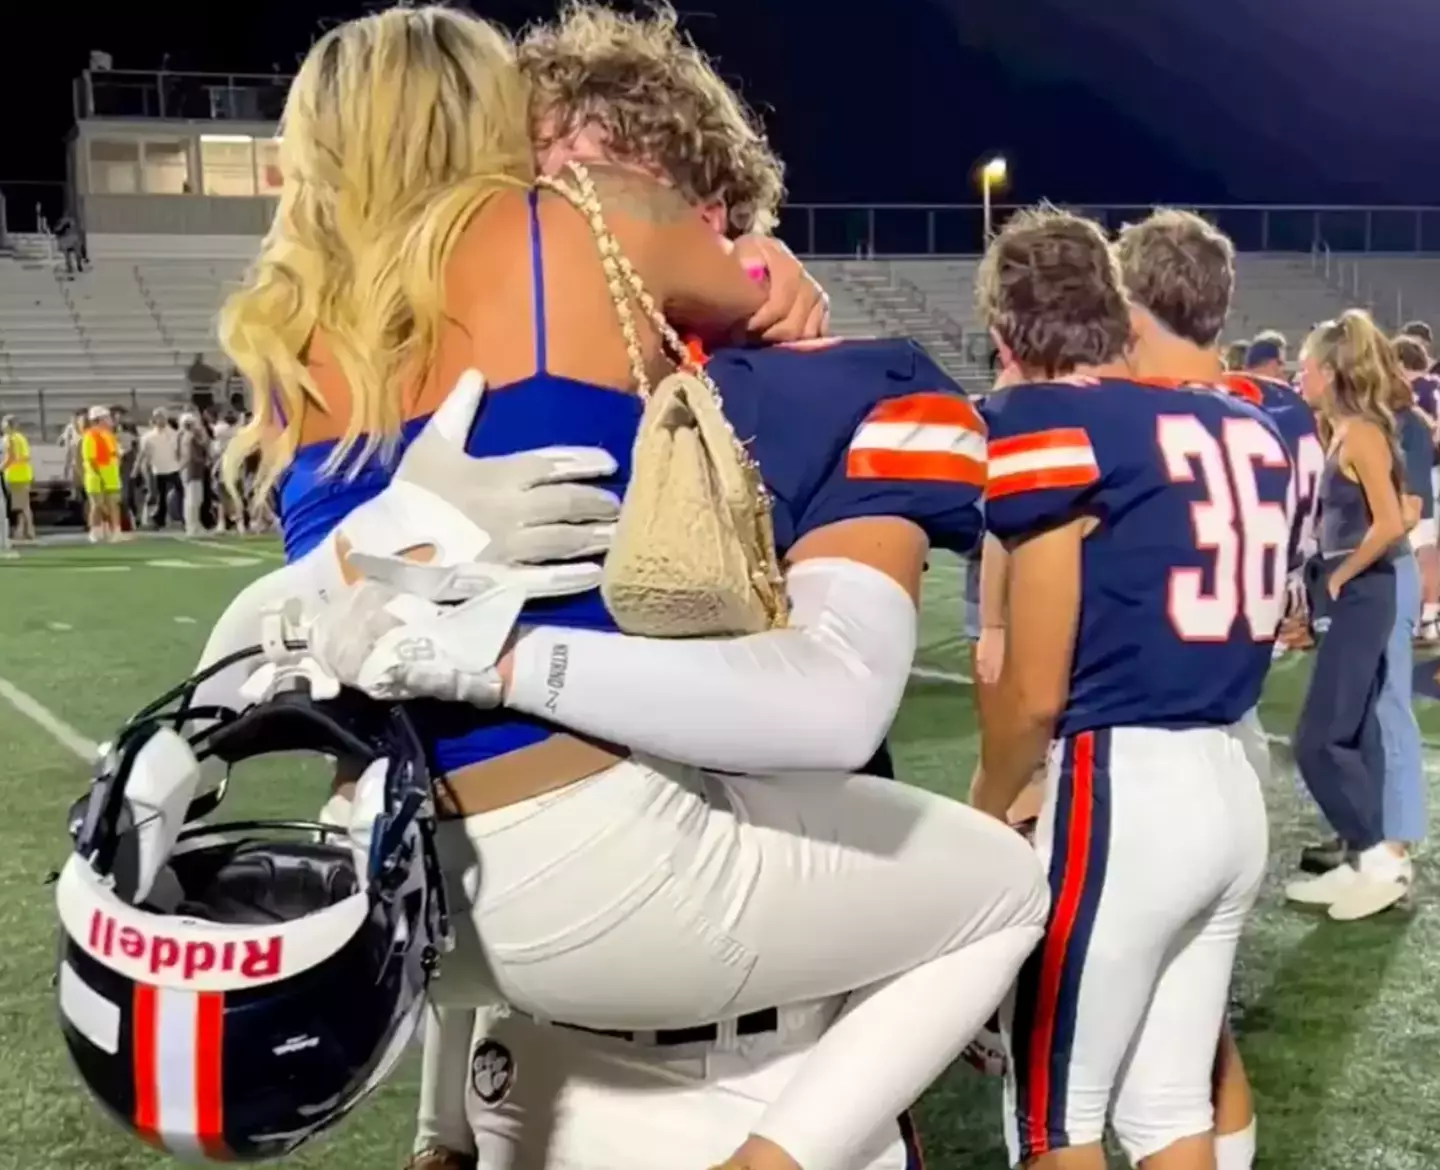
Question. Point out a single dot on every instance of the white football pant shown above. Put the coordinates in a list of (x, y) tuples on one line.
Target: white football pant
[(550, 1098), (1156, 845), (652, 896)]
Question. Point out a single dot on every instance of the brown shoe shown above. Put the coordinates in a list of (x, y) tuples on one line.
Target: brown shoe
[(439, 1158)]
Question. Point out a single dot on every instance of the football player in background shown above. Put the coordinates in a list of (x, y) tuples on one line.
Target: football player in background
[(1235, 354), (1421, 331), (1138, 643), (1414, 359), (1179, 271)]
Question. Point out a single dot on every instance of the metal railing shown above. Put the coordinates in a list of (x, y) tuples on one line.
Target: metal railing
[(183, 95), (1347, 277), (866, 231), (29, 202)]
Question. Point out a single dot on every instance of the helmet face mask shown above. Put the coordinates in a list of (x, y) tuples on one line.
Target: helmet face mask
[(228, 990)]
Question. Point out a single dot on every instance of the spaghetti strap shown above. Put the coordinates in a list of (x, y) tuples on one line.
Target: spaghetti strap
[(537, 281)]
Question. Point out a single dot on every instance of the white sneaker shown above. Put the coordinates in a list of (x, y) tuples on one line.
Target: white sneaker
[(1324, 890), (96, 536), (1368, 896), (1383, 880)]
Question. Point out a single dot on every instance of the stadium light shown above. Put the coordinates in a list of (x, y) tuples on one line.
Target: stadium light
[(992, 175)]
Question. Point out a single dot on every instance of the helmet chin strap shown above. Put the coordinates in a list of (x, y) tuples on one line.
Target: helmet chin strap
[(284, 640)]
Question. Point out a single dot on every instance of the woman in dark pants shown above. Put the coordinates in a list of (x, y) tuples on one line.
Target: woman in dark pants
[(1348, 374)]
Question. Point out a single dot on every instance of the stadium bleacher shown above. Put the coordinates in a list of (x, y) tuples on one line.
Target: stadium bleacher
[(124, 330)]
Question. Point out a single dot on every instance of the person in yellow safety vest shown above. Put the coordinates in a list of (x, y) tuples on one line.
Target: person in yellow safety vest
[(100, 464), (19, 473)]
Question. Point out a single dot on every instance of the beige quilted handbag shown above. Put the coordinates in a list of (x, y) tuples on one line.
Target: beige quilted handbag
[(694, 550)]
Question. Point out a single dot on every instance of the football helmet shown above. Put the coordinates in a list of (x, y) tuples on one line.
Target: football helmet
[(228, 990)]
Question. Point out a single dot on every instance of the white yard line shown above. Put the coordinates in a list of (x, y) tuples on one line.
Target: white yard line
[(48, 722), (927, 674), (242, 548)]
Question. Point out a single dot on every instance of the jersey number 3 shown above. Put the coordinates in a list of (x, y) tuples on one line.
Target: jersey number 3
[(1246, 536)]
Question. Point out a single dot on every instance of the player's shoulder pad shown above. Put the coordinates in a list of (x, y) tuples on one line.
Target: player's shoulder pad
[(848, 388), (848, 368), (1043, 435), (1244, 388)]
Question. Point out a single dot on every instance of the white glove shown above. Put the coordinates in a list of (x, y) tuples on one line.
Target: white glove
[(499, 511), (461, 582), (394, 645)]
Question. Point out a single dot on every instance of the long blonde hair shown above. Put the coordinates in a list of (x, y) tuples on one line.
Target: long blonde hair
[(397, 129), (1361, 366)]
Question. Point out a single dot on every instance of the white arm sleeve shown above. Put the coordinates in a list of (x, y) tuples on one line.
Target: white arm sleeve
[(817, 696)]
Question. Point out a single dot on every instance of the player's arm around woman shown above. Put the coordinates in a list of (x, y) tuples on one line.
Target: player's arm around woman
[(657, 894)]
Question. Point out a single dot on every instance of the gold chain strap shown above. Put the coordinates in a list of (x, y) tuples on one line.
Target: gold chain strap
[(625, 285)]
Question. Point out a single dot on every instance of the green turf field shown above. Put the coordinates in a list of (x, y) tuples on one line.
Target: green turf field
[(1340, 1024)]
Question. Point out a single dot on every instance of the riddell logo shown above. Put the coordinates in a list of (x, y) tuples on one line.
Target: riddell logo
[(248, 958)]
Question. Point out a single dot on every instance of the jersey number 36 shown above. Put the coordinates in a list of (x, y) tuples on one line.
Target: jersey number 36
[(1247, 536)]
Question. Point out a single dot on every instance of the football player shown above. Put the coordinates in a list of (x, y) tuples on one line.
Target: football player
[(1179, 272), (1264, 383), (1415, 361), (550, 1098), (1148, 527), (708, 897)]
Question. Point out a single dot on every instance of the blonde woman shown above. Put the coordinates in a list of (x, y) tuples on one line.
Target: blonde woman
[(620, 890), (19, 473), (1348, 373)]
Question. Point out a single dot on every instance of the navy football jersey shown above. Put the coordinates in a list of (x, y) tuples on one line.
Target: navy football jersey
[(1425, 388), (848, 429), (1183, 579), (1296, 423)]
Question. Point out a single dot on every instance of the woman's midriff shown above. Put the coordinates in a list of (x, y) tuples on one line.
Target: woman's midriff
[(527, 772)]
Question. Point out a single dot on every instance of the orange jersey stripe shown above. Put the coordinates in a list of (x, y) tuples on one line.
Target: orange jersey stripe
[(1039, 441), (931, 406), (1037, 481), (1243, 388), (931, 466)]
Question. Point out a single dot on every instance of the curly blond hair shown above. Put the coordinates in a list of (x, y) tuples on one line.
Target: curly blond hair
[(659, 103)]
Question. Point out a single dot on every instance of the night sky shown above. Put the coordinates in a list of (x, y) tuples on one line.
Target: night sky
[(1301, 101)]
